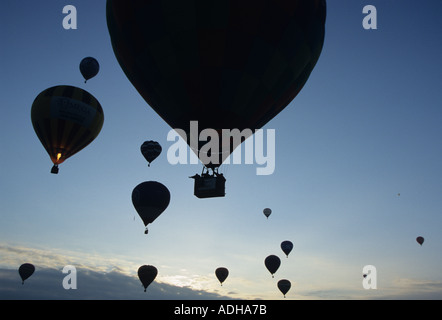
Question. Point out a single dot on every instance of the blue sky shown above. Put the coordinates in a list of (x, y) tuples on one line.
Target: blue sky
[(365, 128)]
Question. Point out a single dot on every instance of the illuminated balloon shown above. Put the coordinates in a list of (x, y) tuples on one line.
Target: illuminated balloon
[(89, 68), (420, 240), (226, 64), (287, 247), (284, 286), (150, 199), (66, 119), (267, 212), (150, 150), (272, 263), (222, 274), (26, 270), (147, 275)]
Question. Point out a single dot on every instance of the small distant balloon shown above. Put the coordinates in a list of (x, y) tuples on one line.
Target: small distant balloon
[(150, 150), (284, 286), (420, 240), (267, 212), (147, 275), (286, 247), (222, 274), (272, 263), (89, 68), (26, 270)]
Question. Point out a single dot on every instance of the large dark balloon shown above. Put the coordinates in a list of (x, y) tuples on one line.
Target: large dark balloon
[(286, 247), (284, 286), (150, 150), (89, 68), (150, 199), (66, 119), (420, 240), (147, 275), (272, 263), (26, 270), (222, 274), (226, 63)]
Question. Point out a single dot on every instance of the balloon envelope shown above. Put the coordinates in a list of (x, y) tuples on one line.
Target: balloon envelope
[(147, 275), (272, 263), (267, 212), (150, 150), (89, 68), (150, 199), (26, 270), (284, 286), (66, 119), (226, 64), (420, 240), (222, 274), (286, 247)]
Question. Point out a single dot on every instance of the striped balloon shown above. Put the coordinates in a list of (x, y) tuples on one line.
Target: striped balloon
[(66, 119)]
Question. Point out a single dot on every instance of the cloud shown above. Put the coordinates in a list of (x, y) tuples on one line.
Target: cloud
[(47, 284), (98, 277)]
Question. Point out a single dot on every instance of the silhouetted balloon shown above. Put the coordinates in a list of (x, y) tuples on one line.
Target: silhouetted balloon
[(66, 119), (267, 212), (150, 150), (147, 275), (150, 199), (89, 68), (420, 240), (272, 263), (226, 64), (26, 270), (284, 286), (222, 274), (287, 247)]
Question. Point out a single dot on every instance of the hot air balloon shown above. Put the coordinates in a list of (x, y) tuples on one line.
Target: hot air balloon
[(89, 68), (226, 64), (267, 212), (287, 247), (150, 199), (26, 270), (147, 275), (66, 119), (150, 150), (222, 274), (272, 263), (420, 240), (284, 286)]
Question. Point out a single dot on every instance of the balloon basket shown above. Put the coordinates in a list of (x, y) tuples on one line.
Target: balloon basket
[(54, 169), (209, 186)]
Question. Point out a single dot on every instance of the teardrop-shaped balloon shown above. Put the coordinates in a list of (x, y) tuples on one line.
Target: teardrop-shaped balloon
[(150, 199), (222, 274), (147, 275), (89, 68), (272, 263), (267, 212), (284, 286), (286, 247), (226, 64), (66, 119), (150, 150), (26, 270), (420, 240)]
